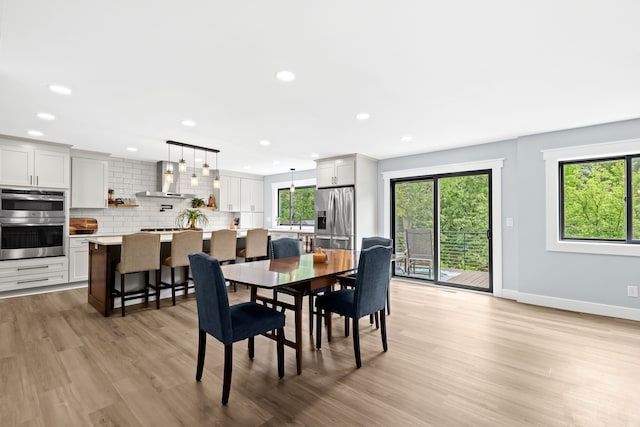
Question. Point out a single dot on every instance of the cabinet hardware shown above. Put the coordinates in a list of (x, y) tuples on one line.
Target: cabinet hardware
[(20, 282), (32, 268)]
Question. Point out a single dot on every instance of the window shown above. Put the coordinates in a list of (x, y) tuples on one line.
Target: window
[(303, 206), (593, 198)]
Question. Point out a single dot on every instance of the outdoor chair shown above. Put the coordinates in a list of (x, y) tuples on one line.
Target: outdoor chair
[(419, 243)]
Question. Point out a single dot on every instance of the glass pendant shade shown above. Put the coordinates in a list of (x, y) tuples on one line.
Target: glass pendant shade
[(168, 176), (293, 187), (205, 169), (216, 180), (182, 164), (194, 180)]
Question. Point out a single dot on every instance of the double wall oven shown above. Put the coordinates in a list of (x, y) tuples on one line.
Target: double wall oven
[(31, 223)]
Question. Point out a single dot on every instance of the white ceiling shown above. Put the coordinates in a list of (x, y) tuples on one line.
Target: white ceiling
[(449, 73)]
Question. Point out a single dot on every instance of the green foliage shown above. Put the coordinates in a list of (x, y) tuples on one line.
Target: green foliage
[(190, 218), (303, 204), (594, 204), (196, 202)]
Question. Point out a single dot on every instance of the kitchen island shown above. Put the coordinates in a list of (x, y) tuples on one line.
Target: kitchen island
[(104, 255)]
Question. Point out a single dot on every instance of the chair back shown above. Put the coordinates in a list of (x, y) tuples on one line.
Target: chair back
[(368, 242), (256, 243), (184, 243), (285, 247), (214, 315), (139, 252), (419, 243), (223, 245), (372, 280)]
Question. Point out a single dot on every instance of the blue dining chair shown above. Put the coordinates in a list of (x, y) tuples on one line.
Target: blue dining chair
[(288, 247), (229, 324), (368, 296), (349, 280)]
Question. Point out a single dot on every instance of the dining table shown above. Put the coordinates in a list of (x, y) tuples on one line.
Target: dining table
[(299, 275)]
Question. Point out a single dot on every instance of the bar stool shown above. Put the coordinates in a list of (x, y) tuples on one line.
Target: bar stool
[(256, 245), (182, 244), (139, 252), (223, 247)]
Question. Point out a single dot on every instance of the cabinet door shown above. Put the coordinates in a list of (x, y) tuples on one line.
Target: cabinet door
[(345, 172), (16, 166), (251, 197), (78, 261), (251, 219), (325, 174), (51, 169), (229, 194), (89, 183)]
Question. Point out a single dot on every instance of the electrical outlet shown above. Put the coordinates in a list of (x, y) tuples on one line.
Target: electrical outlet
[(632, 291)]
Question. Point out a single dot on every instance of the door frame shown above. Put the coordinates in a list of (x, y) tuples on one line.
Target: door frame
[(495, 165)]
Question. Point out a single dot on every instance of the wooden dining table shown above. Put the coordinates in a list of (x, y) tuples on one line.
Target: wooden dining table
[(300, 275)]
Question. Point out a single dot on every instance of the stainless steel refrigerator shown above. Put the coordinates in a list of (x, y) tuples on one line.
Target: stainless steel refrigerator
[(334, 208)]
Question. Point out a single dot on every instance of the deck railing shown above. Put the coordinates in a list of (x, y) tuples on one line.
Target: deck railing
[(464, 250)]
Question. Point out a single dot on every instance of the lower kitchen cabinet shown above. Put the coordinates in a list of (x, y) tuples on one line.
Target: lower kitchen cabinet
[(78, 259), (33, 273), (251, 219)]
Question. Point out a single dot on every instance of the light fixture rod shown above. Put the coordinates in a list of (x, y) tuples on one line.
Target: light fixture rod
[(195, 147)]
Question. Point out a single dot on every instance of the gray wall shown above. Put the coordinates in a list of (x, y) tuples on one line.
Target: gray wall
[(528, 268)]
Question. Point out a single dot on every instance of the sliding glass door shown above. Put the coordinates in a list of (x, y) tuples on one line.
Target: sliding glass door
[(442, 229)]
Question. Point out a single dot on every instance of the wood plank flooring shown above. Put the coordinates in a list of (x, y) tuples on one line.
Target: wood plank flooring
[(455, 359)]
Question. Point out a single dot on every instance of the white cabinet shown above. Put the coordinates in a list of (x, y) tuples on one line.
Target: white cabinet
[(33, 273), (89, 182), (35, 167), (78, 259), (229, 199), (251, 195), (251, 219), (335, 173)]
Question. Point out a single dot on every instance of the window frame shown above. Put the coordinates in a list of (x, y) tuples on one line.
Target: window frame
[(302, 187), (552, 157)]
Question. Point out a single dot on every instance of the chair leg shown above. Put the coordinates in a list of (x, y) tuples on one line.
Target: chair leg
[(346, 326), (226, 382), (173, 285), (318, 327), (383, 329), (371, 319), (356, 342), (310, 314), (252, 348), (158, 289), (202, 348), (377, 321), (146, 288), (388, 299), (122, 293), (280, 347)]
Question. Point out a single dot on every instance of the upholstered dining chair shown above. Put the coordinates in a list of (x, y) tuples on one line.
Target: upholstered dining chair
[(229, 324), (183, 243), (222, 247), (139, 252), (368, 296), (349, 280), (256, 245)]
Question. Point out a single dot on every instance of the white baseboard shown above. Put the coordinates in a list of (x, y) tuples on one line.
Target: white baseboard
[(577, 306), (508, 294), (43, 289)]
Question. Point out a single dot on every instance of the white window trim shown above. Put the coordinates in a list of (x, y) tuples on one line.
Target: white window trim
[(311, 182), (552, 159), (496, 202)]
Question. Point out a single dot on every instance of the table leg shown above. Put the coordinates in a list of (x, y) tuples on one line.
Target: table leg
[(298, 304)]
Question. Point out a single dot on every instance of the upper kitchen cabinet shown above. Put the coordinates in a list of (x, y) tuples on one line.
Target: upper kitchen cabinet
[(229, 199), (335, 172), (89, 179), (251, 195), (34, 165)]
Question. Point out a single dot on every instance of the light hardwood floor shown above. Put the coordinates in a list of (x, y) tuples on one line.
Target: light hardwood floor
[(455, 359)]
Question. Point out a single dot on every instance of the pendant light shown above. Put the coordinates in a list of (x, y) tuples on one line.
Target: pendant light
[(182, 164), (216, 179), (194, 177), (205, 166), (168, 174), (293, 187)]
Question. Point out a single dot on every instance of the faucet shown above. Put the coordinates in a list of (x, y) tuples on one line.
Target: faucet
[(300, 220)]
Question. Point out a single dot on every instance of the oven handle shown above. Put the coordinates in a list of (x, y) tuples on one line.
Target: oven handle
[(30, 224), (31, 198)]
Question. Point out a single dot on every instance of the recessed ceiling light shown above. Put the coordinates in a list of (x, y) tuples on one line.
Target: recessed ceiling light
[(62, 90), (187, 122), (46, 116), (132, 149), (35, 133), (363, 116), (265, 142), (276, 162), (406, 138), (315, 155), (285, 76)]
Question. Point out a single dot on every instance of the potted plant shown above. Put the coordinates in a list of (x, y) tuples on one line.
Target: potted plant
[(189, 218), (197, 202)]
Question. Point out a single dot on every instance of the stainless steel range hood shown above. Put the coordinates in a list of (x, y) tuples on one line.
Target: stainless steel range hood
[(164, 190)]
